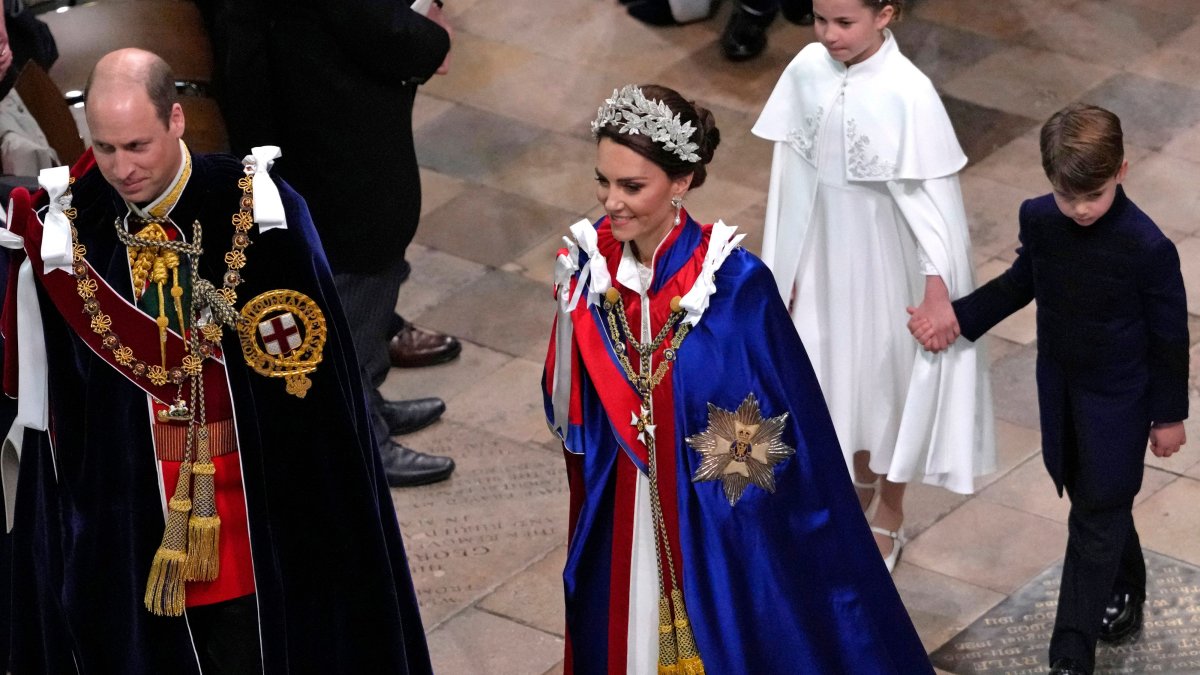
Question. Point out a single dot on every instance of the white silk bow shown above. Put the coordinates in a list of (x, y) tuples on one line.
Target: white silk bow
[(268, 207)]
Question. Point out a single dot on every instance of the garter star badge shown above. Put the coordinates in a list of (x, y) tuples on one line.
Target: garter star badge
[(283, 334), (740, 448)]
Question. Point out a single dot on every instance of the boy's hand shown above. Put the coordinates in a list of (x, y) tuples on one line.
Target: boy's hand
[(1165, 439)]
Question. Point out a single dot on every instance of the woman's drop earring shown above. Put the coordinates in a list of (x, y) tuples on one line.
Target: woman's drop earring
[(677, 202)]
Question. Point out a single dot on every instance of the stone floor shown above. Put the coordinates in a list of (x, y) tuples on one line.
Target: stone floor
[(507, 166)]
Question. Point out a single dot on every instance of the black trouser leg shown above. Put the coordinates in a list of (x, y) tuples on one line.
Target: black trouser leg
[(1096, 547), (226, 637), (370, 304)]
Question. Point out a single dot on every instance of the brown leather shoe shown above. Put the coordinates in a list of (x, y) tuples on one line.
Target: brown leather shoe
[(412, 347)]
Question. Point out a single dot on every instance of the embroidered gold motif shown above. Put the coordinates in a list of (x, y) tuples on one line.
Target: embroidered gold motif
[(283, 334), (740, 448)]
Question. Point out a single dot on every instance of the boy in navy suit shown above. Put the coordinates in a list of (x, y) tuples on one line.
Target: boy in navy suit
[(1112, 366)]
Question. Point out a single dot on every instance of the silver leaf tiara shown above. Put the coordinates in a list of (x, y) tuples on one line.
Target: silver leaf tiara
[(632, 113)]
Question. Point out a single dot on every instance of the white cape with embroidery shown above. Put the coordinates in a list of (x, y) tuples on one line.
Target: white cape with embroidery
[(864, 201)]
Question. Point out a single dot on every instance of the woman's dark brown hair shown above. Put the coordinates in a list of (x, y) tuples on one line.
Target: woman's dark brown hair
[(706, 136)]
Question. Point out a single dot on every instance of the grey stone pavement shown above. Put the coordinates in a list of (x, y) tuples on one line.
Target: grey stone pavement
[(507, 162)]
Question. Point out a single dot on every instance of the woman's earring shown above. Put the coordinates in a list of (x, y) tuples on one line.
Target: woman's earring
[(677, 202)]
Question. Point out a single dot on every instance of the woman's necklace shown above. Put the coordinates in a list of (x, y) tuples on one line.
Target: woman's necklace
[(677, 650)]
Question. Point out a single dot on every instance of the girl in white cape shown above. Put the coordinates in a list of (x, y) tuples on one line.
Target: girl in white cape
[(865, 218)]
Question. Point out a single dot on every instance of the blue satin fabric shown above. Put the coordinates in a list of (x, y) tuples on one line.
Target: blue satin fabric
[(789, 582)]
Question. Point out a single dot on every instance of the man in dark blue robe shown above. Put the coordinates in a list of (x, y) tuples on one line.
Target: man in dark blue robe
[(313, 575)]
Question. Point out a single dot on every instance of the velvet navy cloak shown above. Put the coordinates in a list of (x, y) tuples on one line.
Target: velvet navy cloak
[(783, 582), (333, 588)]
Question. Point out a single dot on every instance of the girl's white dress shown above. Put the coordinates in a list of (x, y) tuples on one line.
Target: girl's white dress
[(864, 201)]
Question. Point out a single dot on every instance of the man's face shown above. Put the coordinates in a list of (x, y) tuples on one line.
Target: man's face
[(137, 153)]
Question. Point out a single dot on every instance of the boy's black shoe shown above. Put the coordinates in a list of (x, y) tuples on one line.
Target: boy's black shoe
[(745, 36), (1066, 667), (1122, 620)]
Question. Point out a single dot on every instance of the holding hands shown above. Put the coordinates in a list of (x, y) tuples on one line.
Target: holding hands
[(933, 323)]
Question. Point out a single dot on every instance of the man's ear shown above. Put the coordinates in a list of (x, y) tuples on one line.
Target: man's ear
[(176, 123)]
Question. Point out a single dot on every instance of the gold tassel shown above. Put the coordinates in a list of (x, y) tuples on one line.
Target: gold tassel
[(689, 656), (204, 528), (165, 589), (667, 662)]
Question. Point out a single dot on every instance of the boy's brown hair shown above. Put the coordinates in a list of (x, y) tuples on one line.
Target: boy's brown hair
[(1082, 148)]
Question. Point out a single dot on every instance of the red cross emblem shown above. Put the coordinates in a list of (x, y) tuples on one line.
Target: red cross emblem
[(280, 334)]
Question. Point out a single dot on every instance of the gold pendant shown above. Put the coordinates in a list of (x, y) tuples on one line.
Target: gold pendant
[(740, 448), (283, 333)]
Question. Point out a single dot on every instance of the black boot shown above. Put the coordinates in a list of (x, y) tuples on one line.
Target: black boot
[(1067, 667), (405, 467), (405, 417), (745, 36)]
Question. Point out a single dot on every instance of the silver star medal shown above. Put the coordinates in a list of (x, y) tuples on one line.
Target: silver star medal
[(740, 448)]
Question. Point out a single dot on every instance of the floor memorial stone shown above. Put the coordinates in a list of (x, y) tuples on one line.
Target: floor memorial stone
[(505, 506), (1013, 637)]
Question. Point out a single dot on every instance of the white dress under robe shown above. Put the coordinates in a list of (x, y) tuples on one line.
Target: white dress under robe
[(864, 201)]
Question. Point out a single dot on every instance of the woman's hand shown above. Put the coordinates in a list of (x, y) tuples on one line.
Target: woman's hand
[(933, 323)]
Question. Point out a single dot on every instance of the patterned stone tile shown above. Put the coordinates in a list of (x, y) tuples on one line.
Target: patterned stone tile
[(1101, 32), (1017, 164), (489, 226), (720, 199), (1014, 636), (505, 505), (438, 188), (1023, 81), (535, 596), (940, 606), (1175, 109), (981, 131), (1167, 522), (1014, 446), (469, 143), (941, 52), (557, 170), (705, 75), (502, 311), (1164, 187), (427, 108), (1029, 488), (478, 642), (926, 505), (519, 414), (435, 276), (1021, 326), (1183, 10), (446, 380), (1185, 145), (992, 209), (477, 63), (1014, 392), (594, 34), (1189, 258), (1005, 19), (968, 545)]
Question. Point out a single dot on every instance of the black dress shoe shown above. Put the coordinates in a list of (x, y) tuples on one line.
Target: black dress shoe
[(1122, 620), (798, 13), (1067, 667), (405, 467), (405, 417), (412, 347), (745, 36)]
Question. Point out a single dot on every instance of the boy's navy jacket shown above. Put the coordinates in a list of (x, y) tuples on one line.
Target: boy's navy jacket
[(1112, 330)]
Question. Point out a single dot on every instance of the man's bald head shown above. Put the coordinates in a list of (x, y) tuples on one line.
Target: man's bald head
[(126, 71)]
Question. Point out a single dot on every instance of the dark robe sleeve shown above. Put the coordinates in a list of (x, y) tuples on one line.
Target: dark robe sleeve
[(989, 305), (386, 38), (1165, 303)]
